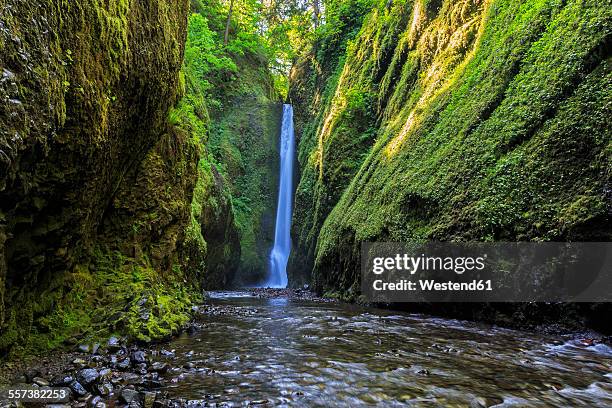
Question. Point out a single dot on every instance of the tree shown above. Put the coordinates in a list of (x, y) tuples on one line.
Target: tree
[(228, 22)]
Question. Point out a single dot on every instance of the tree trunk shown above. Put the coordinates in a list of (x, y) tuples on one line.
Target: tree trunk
[(316, 12), (227, 24)]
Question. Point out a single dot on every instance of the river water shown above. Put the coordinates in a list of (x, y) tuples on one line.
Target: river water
[(302, 353)]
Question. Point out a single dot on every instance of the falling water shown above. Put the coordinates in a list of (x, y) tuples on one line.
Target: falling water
[(282, 240)]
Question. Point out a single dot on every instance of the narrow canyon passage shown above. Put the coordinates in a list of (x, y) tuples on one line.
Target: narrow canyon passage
[(305, 353), (172, 170)]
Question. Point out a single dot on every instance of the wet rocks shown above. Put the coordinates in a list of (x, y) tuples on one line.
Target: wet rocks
[(138, 357), (41, 382), (159, 367), (87, 376), (78, 389), (478, 403), (130, 395), (123, 364), (113, 344)]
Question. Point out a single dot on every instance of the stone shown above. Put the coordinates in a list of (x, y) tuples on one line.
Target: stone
[(61, 380), (77, 389), (478, 402), (123, 364), (40, 381), (141, 368), (128, 395), (105, 388), (139, 357), (113, 344), (159, 367), (87, 376), (94, 401)]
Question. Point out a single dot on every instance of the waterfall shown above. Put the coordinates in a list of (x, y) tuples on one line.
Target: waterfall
[(282, 240)]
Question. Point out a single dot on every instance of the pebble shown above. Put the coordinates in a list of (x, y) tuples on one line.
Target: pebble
[(113, 344), (128, 395), (159, 367), (40, 381), (478, 403), (77, 388), (123, 364), (139, 357), (88, 376)]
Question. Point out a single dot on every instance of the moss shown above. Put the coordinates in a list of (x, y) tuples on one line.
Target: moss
[(243, 145), (131, 294), (82, 76), (489, 125)]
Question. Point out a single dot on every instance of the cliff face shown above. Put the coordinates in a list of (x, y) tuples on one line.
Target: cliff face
[(231, 112), (243, 145), (86, 152), (455, 120)]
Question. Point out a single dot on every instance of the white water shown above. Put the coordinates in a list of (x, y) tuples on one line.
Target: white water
[(282, 240)]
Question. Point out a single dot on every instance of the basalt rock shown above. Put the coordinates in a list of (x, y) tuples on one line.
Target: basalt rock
[(85, 151), (453, 121)]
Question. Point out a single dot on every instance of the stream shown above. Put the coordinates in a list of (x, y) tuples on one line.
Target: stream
[(280, 351)]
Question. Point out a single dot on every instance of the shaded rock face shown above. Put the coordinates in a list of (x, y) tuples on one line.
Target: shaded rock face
[(220, 234), (453, 120), (84, 94)]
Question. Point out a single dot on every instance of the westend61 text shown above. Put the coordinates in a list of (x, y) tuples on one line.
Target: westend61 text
[(432, 285)]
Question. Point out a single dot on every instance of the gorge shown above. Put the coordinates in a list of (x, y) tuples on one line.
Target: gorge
[(157, 153)]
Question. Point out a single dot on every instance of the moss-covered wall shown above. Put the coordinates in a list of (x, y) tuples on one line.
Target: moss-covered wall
[(456, 120), (232, 112), (85, 152), (243, 143)]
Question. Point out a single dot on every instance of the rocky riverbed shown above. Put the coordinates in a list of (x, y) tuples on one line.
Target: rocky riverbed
[(289, 348)]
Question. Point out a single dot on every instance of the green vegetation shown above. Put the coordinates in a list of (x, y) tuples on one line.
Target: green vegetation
[(489, 124), (231, 109), (138, 145)]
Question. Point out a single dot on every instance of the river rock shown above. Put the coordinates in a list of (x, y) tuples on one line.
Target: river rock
[(61, 380), (478, 403), (79, 362), (113, 344), (78, 389), (159, 367), (128, 395), (40, 382), (88, 376), (139, 357), (123, 364), (141, 368), (105, 388)]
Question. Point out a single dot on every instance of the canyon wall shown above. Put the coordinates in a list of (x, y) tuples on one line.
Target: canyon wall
[(448, 120)]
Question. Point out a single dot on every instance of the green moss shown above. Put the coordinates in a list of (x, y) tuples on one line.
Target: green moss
[(85, 80), (489, 125), (131, 294)]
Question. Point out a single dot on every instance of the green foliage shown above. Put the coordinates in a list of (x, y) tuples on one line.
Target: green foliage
[(486, 122), (130, 295)]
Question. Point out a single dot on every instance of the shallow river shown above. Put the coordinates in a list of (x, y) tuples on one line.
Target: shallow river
[(298, 353)]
